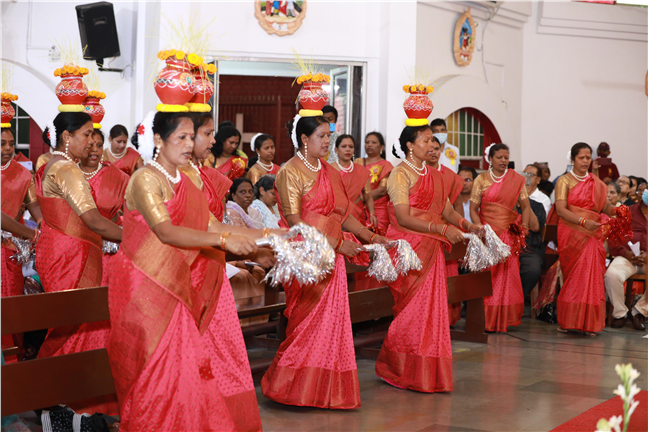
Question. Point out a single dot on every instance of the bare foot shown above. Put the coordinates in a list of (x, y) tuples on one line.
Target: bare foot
[(561, 330)]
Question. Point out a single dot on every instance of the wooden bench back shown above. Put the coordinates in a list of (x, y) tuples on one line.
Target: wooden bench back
[(41, 383)]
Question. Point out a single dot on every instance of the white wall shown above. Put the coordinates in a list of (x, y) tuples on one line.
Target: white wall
[(583, 80)]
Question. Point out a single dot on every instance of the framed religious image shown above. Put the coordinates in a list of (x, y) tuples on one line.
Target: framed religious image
[(464, 39), (280, 17)]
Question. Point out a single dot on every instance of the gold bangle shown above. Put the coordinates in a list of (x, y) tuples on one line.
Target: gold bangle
[(223, 240), (360, 230), (430, 227), (266, 232)]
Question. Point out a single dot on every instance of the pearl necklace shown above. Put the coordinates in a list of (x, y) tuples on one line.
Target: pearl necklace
[(65, 155), (175, 180), (420, 171), (495, 178), (194, 167), (265, 167), (5, 166), (119, 156), (88, 176), (579, 178), (308, 164), (346, 170)]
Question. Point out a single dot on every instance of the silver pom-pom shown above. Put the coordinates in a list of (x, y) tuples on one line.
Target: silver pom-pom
[(480, 256), (308, 260), (498, 248), (109, 247), (406, 258), (24, 248), (381, 267)]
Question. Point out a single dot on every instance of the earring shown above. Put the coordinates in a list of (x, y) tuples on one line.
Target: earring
[(157, 152), (67, 145), (306, 150)]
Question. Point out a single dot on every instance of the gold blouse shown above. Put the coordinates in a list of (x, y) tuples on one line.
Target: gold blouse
[(399, 183), (42, 160), (210, 160), (30, 196), (292, 184), (483, 182), (563, 185), (65, 180), (193, 175), (255, 173)]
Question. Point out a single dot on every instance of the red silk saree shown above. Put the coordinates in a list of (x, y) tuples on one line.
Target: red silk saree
[(215, 187), (354, 183), (581, 302), (454, 185), (416, 353), (380, 171), (233, 168), (315, 365), (176, 350), (128, 162)]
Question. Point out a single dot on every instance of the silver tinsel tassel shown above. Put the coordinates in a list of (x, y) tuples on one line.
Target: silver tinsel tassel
[(308, 260), (381, 267), (480, 256), (498, 248), (109, 247), (406, 258), (24, 248)]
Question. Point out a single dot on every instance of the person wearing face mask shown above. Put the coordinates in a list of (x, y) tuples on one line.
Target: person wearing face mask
[(264, 146), (626, 264), (495, 195), (107, 185), (449, 153), (119, 154), (580, 199), (331, 114)]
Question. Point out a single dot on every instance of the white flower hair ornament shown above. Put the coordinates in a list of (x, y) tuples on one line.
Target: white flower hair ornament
[(293, 134), (486, 151), (145, 140), (51, 134), (253, 141), (569, 155), (399, 150)]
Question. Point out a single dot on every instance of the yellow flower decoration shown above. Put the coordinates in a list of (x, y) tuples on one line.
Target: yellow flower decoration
[(180, 55), (413, 88), (429, 89), (420, 87), (406, 88)]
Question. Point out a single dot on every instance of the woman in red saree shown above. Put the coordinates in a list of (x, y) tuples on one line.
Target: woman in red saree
[(263, 145), (494, 198), (226, 160), (17, 189), (107, 185), (356, 181), (454, 185), (580, 198), (68, 253), (379, 169), (118, 154), (176, 349), (315, 365), (416, 353)]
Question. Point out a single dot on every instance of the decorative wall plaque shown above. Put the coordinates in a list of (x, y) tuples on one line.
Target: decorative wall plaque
[(280, 17)]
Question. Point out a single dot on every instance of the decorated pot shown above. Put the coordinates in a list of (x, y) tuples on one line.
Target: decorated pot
[(418, 105), (204, 87), (92, 106), (71, 90), (312, 96), (175, 84), (7, 111)]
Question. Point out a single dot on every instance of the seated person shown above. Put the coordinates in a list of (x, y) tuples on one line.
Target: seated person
[(532, 259), (614, 194), (239, 212), (469, 175), (626, 264), (266, 201)]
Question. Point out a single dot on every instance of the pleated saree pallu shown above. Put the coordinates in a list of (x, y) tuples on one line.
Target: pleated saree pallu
[(416, 353), (354, 183), (581, 302), (176, 350), (505, 307), (315, 365)]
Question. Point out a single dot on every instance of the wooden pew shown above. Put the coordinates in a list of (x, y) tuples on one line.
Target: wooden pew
[(41, 383)]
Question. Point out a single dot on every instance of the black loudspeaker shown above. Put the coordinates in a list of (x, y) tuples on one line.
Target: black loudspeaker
[(98, 31)]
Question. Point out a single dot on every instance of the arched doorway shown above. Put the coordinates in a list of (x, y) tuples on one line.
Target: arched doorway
[(471, 131), (28, 136)]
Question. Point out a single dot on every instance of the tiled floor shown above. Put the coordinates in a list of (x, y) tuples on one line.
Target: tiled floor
[(531, 379)]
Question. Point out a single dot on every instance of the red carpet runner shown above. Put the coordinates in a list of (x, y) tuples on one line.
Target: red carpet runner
[(586, 422)]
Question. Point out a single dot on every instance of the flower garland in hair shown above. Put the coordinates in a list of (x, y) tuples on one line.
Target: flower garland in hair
[(51, 134), (145, 140), (293, 134), (569, 155), (253, 140), (399, 150), (486, 151)]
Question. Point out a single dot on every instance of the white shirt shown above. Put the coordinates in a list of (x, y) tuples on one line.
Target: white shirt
[(466, 207), (445, 160), (543, 199)]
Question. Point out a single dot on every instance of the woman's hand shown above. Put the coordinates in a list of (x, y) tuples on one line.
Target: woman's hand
[(240, 245), (349, 249), (279, 231), (265, 258), (454, 235), (475, 228), (591, 225), (381, 240), (374, 220)]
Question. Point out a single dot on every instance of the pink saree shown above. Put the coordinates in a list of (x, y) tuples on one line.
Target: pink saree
[(233, 168), (315, 365), (354, 183), (176, 350), (506, 306), (416, 353), (581, 302), (454, 185), (379, 171)]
